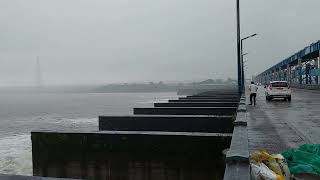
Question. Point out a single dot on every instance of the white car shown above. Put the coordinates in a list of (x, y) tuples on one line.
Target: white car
[(278, 89)]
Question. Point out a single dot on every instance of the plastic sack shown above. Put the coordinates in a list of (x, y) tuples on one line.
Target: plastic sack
[(305, 159), (260, 171), (275, 162)]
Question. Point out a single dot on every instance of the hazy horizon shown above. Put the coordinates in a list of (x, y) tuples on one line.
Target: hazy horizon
[(98, 42)]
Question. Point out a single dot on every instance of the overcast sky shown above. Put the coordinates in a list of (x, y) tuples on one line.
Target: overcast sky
[(105, 41)]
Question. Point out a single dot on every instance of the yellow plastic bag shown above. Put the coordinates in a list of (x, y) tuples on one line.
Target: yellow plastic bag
[(275, 162)]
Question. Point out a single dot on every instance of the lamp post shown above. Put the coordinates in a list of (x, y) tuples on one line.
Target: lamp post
[(238, 49), (241, 61)]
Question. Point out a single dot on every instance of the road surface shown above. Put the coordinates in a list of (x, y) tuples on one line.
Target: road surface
[(279, 125)]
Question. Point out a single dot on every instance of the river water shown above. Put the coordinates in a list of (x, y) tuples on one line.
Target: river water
[(21, 113)]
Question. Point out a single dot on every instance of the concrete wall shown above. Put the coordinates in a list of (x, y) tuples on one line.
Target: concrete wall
[(212, 97), (186, 111), (237, 159), (115, 155), (197, 104), (204, 100), (167, 123)]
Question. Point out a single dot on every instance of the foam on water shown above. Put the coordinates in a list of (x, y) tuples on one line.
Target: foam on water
[(16, 150), (15, 154), (77, 124)]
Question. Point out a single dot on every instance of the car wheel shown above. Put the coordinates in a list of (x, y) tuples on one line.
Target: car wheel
[(289, 98)]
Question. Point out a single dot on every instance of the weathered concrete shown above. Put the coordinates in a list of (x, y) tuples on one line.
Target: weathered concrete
[(242, 108), (16, 177), (172, 123), (239, 145), (237, 171), (204, 100), (241, 119), (242, 102), (197, 104), (186, 111), (237, 157), (129, 155)]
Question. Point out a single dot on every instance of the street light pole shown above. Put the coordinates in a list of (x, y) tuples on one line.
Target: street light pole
[(238, 50), (241, 61), (242, 70)]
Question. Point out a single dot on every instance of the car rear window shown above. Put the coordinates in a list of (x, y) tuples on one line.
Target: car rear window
[(279, 84)]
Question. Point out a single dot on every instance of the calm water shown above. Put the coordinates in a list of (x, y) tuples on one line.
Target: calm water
[(22, 113)]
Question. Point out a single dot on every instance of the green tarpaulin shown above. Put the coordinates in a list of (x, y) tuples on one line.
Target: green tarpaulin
[(305, 159)]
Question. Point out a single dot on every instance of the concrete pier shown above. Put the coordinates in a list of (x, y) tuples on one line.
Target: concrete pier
[(197, 104), (179, 140), (186, 111), (171, 123), (128, 155), (204, 100), (214, 96), (210, 97)]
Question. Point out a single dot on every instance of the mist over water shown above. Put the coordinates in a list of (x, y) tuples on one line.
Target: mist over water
[(20, 113)]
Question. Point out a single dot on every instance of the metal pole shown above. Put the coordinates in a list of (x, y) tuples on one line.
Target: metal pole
[(242, 68), (242, 63), (238, 48)]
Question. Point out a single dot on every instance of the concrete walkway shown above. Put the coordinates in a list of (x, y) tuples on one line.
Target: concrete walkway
[(279, 125)]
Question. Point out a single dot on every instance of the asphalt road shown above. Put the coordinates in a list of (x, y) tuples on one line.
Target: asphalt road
[(279, 125)]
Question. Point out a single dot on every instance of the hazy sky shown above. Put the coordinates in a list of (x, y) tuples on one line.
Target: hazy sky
[(103, 41)]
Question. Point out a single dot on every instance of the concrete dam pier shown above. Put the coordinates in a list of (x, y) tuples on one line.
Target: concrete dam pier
[(167, 142), (168, 123), (129, 154)]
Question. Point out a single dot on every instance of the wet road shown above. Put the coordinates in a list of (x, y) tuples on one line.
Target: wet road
[(279, 125)]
